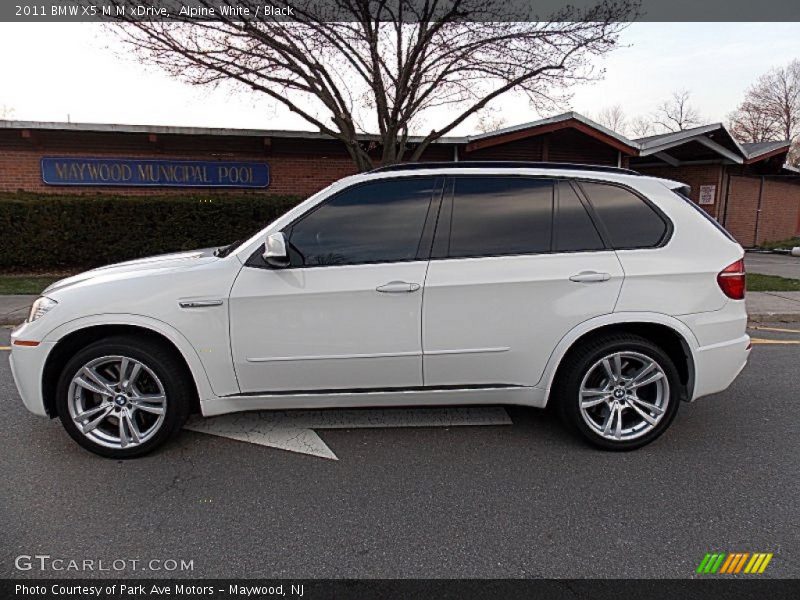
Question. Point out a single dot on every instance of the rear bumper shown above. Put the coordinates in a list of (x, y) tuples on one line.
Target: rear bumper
[(722, 347), (717, 365)]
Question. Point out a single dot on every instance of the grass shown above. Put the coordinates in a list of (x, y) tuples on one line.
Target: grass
[(771, 283), (790, 243), (26, 283)]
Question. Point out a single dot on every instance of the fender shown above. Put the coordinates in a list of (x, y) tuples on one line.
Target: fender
[(186, 350), (585, 327)]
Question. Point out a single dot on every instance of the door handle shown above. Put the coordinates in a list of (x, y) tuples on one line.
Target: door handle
[(398, 287), (590, 277)]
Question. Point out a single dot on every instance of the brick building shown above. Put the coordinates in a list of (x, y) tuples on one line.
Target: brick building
[(744, 186)]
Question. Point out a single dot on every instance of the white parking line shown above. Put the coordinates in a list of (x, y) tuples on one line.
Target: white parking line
[(294, 430)]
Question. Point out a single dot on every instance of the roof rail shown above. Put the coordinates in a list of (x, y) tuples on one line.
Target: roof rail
[(503, 164)]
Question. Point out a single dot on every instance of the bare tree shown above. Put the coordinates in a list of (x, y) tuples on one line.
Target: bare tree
[(490, 120), (677, 114), (6, 112), (612, 117), (346, 66), (773, 101), (794, 153), (750, 122), (640, 127)]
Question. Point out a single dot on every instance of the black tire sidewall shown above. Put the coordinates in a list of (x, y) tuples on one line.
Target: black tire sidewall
[(163, 363), (579, 364)]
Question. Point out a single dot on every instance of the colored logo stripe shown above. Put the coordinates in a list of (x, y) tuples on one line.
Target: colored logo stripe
[(733, 563), (758, 563)]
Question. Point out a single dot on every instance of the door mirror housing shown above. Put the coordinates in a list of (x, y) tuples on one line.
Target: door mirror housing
[(275, 253)]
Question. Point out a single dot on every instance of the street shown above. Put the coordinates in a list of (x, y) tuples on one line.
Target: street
[(490, 501)]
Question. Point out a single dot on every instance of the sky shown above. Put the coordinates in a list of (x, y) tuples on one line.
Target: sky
[(80, 72)]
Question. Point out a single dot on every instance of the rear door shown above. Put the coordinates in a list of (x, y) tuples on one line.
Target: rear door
[(517, 262)]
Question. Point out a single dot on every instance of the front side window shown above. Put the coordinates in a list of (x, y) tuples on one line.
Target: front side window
[(629, 220), (379, 221), (501, 215)]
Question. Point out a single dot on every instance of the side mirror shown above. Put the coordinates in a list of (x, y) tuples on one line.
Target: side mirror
[(275, 253)]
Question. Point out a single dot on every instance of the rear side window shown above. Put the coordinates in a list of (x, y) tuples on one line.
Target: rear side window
[(501, 215), (629, 220), (379, 221), (574, 230)]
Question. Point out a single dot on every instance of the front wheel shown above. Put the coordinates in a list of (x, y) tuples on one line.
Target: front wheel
[(619, 392), (122, 397)]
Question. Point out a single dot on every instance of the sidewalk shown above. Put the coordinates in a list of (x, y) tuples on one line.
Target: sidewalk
[(761, 306), (773, 306)]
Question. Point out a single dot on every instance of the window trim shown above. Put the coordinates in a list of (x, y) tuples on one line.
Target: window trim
[(256, 259), (669, 228)]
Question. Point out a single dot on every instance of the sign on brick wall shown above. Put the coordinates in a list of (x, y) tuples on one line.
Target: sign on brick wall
[(153, 173), (707, 194)]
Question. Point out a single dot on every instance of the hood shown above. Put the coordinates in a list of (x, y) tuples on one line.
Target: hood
[(177, 260)]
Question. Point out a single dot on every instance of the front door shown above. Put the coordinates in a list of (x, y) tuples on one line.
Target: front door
[(347, 313)]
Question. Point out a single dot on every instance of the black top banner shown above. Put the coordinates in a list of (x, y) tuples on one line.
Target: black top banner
[(392, 10)]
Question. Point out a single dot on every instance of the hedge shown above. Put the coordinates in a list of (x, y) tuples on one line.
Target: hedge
[(43, 232)]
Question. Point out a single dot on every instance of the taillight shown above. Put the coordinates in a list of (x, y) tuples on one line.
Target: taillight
[(731, 280)]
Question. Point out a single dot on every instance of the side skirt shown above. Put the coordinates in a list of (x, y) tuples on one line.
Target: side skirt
[(519, 395)]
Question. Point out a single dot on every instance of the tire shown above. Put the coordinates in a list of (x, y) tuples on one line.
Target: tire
[(613, 404), (123, 417)]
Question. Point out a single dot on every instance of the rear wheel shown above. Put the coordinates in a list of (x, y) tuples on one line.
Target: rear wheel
[(619, 392), (122, 397)]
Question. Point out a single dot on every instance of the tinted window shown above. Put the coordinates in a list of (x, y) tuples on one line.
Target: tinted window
[(574, 229), (630, 222), (373, 222), (501, 215)]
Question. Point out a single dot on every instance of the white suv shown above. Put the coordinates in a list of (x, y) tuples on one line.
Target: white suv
[(598, 289)]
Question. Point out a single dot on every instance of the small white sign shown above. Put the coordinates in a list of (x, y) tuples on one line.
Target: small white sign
[(707, 194)]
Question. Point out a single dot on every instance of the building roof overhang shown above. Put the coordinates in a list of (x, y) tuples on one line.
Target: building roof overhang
[(704, 144), (714, 137), (765, 150), (568, 120)]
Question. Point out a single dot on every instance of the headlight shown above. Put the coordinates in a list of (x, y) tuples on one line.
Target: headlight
[(40, 307)]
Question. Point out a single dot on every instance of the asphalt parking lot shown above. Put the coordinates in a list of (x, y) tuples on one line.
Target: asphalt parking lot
[(520, 500)]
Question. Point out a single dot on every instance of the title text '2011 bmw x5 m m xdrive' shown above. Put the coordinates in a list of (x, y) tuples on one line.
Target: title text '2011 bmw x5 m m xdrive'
[(601, 290)]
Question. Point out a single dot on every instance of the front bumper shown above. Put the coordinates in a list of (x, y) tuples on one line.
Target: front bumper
[(27, 366)]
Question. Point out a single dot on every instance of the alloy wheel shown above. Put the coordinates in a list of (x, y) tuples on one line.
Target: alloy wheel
[(117, 401), (624, 396)]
